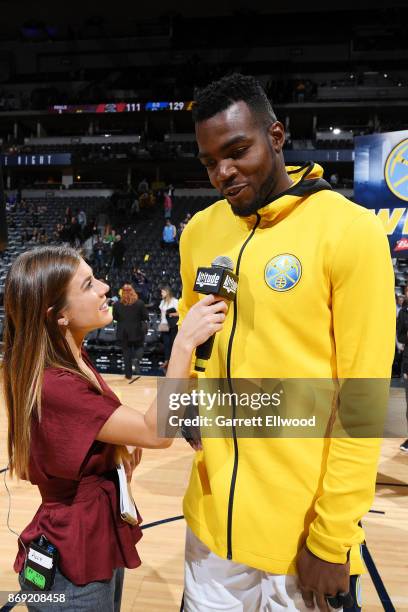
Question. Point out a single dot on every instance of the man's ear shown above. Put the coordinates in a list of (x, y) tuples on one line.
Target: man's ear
[(276, 133)]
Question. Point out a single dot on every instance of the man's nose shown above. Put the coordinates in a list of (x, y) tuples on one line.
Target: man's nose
[(226, 170)]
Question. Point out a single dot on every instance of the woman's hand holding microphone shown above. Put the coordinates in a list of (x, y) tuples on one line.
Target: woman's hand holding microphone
[(203, 320)]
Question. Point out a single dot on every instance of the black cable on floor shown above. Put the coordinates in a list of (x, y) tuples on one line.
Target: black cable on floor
[(378, 583), (392, 484), (161, 522)]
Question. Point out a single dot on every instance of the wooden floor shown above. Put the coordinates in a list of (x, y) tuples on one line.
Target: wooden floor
[(158, 485)]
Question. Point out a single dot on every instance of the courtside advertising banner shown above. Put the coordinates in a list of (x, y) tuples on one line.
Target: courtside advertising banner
[(381, 183)]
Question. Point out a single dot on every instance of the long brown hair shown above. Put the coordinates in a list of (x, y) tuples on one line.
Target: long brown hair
[(37, 280), (170, 294), (129, 295)]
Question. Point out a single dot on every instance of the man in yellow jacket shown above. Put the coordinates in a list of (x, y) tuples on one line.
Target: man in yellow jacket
[(267, 517)]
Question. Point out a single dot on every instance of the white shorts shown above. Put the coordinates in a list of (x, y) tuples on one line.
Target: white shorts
[(213, 583)]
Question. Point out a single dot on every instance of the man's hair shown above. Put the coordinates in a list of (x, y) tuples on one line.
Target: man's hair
[(219, 95)]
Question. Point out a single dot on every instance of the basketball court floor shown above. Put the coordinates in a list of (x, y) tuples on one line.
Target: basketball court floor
[(158, 485)]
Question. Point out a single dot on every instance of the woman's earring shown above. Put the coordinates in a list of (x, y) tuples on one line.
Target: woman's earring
[(66, 321)]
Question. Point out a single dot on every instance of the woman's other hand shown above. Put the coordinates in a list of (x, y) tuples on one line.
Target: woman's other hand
[(131, 461)]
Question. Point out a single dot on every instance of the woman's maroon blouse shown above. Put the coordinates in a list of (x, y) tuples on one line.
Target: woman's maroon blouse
[(76, 477)]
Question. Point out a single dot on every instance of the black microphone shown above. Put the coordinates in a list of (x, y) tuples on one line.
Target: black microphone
[(221, 281), (341, 600)]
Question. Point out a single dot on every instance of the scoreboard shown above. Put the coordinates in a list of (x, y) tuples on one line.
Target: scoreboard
[(121, 107)]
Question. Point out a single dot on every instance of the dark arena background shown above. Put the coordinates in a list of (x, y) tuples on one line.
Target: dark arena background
[(96, 134)]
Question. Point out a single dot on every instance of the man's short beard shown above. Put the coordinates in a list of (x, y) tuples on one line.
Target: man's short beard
[(251, 208), (260, 201)]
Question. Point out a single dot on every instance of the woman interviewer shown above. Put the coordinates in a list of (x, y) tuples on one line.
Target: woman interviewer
[(65, 423)]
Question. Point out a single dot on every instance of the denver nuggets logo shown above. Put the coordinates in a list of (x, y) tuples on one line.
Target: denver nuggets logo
[(283, 272), (396, 170)]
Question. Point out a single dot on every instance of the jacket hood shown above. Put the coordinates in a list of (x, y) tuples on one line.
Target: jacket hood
[(307, 180)]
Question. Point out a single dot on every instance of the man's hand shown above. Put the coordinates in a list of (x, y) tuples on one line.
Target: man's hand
[(320, 579), (192, 433)]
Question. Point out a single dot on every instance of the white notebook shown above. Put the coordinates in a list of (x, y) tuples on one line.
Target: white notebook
[(126, 501)]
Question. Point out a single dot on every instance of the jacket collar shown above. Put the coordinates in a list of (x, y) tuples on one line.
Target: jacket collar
[(307, 180)]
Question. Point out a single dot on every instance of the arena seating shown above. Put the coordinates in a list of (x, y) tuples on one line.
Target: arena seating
[(142, 239)]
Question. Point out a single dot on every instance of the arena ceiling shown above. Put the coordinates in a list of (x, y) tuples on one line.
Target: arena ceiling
[(15, 12)]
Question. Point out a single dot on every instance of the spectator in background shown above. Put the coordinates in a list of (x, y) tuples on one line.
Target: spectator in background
[(399, 300), (399, 348), (68, 214), (143, 186), (181, 227), (75, 232), (118, 252), (169, 235), (334, 180), (82, 219), (10, 206), (168, 321), (34, 237), (167, 205), (300, 91), (183, 223), (110, 237), (99, 254), (102, 221), (26, 235), (135, 208), (402, 338), (141, 284), (42, 236), (88, 246), (131, 316)]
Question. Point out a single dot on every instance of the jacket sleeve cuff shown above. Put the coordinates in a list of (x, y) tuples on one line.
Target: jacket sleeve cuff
[(326, 547)]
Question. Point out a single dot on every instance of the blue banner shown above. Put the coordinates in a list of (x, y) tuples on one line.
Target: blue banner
[(381, 183), (52, 159)]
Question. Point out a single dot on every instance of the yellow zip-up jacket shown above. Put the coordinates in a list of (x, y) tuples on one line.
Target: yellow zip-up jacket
[(257, 501)]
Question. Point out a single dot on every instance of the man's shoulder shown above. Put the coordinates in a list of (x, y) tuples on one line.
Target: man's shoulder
[(341, 210), (336, 201), (214, 211)]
